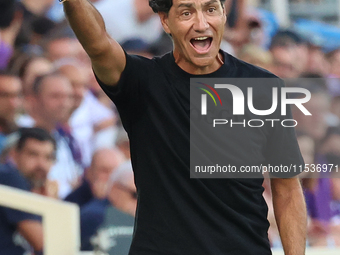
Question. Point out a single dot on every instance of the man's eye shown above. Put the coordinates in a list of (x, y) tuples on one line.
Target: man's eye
[(212, 9), (186, 14)]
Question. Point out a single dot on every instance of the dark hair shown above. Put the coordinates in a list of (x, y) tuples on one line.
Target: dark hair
[(7, 11), (8, 73), (164, 5), (42, 25), (39, 134), (286, 38)]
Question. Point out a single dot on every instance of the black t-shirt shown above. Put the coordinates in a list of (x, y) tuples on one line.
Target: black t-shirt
[(178, 215)]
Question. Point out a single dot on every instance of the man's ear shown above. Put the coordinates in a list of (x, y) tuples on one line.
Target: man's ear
[(225, 15), (165, 21)]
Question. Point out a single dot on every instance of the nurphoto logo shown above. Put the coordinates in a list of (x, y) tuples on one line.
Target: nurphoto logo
[(238, 105)]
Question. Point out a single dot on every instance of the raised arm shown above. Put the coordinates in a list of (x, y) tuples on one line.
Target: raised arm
[(107, 56)]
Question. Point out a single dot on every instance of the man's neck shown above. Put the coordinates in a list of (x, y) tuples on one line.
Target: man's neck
[(192, 69)]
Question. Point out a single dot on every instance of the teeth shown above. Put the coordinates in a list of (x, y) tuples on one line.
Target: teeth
[(201, 38)]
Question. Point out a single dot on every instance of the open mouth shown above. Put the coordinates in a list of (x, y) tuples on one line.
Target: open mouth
[(201, 44)]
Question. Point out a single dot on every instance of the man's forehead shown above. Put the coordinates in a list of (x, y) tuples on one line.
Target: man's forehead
[(35, 144), (180, 3), (10, 83), (48, 84)]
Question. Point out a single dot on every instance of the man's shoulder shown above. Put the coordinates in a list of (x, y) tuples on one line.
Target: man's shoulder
[(7, 171), (243, 69), (141, 65), (10, 176)]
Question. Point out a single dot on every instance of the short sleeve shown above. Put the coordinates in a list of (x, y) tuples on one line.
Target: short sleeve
[(282, 150), (128, 93)]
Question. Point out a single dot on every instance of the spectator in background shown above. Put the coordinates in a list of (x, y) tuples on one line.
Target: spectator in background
[(245, 25), (317, 232), (52, 103), (10, 103), (10, 22), (60, 48), (324, 192), (96, 179), (41, 27), (33, 10), (283, 52), (91, 196), (317, 62), (330, 146), (333, 59), (290, 54), (335, 108), (236, 27), (255, 55), (52, 100), (330, 149), (301, 49), (75, 72), (317, 192), (32, 158), (333, 81), (90, 123), (31, 69), (314, 125)]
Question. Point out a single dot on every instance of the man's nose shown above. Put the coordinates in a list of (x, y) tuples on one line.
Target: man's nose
[(201, 24), (44, 165)]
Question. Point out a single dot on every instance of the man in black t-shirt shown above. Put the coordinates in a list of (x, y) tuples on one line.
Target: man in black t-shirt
[(177, 214)]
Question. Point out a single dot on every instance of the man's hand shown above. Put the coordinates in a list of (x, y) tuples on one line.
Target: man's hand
[(290, 214), (50, 189)]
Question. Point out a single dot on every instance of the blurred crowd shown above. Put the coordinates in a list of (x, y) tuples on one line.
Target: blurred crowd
[(46, 82)]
